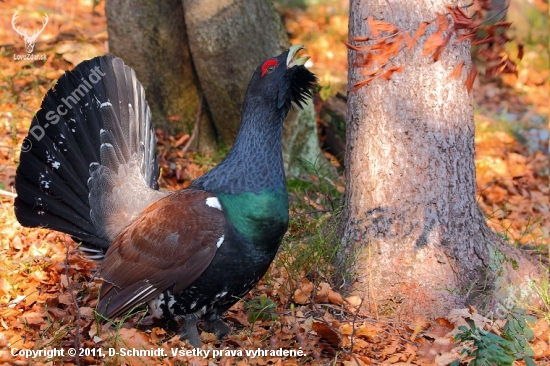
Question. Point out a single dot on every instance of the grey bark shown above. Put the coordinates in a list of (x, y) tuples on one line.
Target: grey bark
[(422, 244), (151, 38), (228, 40), (224, 41)]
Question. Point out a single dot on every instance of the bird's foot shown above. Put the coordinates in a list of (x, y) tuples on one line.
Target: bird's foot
[(216, 326), (188, 330)]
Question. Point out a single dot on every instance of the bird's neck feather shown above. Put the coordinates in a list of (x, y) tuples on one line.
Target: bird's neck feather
[(255, 161)]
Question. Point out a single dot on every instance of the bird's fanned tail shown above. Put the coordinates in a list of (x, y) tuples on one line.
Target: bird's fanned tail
[(88, 166)]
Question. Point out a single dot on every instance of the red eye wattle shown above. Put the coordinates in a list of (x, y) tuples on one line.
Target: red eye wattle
[(269, 66)]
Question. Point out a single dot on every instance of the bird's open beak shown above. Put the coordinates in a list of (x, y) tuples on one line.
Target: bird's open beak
[(292, 60)]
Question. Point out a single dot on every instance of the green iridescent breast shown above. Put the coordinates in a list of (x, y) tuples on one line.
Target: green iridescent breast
[(262, 217)]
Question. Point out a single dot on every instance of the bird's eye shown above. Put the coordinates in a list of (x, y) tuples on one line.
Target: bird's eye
[(269, 66)]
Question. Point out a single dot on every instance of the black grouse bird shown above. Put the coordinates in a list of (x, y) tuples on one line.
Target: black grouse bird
[(88, 168)]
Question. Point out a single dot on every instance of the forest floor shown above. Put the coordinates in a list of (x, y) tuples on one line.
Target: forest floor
[(48, 295)]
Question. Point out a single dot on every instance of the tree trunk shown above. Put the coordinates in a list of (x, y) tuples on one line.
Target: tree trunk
[(166, 41), (151, 38), (227, 45), (422, 244), (228, 40)]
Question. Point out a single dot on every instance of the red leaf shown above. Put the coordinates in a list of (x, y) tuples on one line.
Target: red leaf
[(389, 72), (470, 79), (440, 49), (361, 39), (377, 26), (408, 40), (353, 47), (420, 31), (503, 24), (442, 23), (373, 30), (362, 83), (465, 36), (436, 39), (457, 71), (484, 4), (460, 19), (369, 72)]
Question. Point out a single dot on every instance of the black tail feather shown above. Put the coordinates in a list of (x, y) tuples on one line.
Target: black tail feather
[(95, 114)]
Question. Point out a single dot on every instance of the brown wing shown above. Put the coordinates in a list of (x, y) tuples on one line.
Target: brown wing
[(171, 243)]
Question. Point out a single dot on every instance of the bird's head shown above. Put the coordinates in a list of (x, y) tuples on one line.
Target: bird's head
[(283, 79)]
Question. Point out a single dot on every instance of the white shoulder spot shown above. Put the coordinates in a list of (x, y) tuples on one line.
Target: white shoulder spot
[(106, 104), (220, 241), (214, 202)]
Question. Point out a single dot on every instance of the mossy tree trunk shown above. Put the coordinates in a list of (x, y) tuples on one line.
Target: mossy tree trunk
[(422, 244), (182, 47)]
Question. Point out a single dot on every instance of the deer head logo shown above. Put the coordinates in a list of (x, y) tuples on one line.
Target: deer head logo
[(29, 40)]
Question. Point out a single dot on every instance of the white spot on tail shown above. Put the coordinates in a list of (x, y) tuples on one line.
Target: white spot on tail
[(221, 294), (214, 202), (220, 241), (106, 104)]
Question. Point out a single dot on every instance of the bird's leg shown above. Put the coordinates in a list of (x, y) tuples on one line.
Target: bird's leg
[(189, 330), (214, 324)]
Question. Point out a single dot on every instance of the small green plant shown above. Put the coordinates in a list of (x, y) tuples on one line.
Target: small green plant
[(518, 333), (312, 242), (261, 308), (489, 349)]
